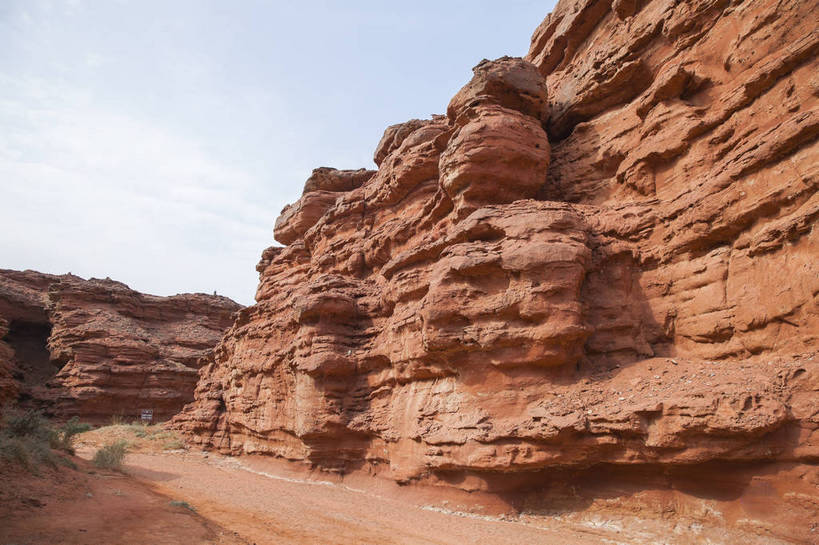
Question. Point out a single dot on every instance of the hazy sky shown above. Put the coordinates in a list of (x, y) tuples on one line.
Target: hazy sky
[(155, 142)]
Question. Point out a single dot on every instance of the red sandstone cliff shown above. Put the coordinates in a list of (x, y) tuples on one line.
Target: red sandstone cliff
[(96, 348), (603, 254)]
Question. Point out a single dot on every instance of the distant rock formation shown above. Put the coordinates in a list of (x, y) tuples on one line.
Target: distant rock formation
[(97, 349), (605, 253)]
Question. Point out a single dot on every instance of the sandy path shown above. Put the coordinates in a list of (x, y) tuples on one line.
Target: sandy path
[(266, 507), (95, 507)]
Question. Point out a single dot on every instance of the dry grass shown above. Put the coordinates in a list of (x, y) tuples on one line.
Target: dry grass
[(28, 439), (111, 456), (139, 437)]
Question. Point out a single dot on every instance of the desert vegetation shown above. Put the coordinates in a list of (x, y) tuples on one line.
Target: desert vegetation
[(137, 436), (29, 439), (112, 455)]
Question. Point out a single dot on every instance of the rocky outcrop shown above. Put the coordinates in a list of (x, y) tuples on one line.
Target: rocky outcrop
[(604, 254), (24, 331), (96, 349)]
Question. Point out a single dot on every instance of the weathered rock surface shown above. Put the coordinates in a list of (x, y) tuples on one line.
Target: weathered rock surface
[(95, 348), (24, 323), (613, 264)]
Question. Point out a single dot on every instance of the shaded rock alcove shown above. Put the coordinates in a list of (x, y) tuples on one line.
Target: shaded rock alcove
[(32, 359)]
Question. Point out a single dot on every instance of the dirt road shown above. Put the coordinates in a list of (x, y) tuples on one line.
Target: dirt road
[(89, 506), (166, 495), (263, 507)]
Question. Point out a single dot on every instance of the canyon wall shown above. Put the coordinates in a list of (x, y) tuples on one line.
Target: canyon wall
[(96, 348), (603, 255), (23, 303)]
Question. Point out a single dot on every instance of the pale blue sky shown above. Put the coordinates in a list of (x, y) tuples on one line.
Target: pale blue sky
[(155, 142)]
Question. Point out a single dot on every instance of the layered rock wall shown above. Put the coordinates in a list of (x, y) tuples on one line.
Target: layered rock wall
[(711, 142), (603, 254), (104, 349)]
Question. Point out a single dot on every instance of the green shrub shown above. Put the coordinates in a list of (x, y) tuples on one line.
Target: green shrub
[(31, 423), (28, 452), (183, 504), (40, 451), (67, 462), (26, 439), (13, 449), (111, 456), (65, 434), (17, 423), (74, 427)]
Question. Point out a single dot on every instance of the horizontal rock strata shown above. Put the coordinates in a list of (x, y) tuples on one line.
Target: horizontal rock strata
[(97, 349)]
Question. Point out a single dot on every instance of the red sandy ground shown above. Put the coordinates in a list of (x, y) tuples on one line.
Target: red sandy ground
[(252, 500), (283, 508), (93, 507)]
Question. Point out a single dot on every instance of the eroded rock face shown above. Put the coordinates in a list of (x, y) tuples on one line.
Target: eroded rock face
[(496, 156), (320, 193), (96, 348), (509, 82), (611, 262)]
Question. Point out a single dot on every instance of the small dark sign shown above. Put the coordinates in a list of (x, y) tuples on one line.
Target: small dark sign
[(147, 415)]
